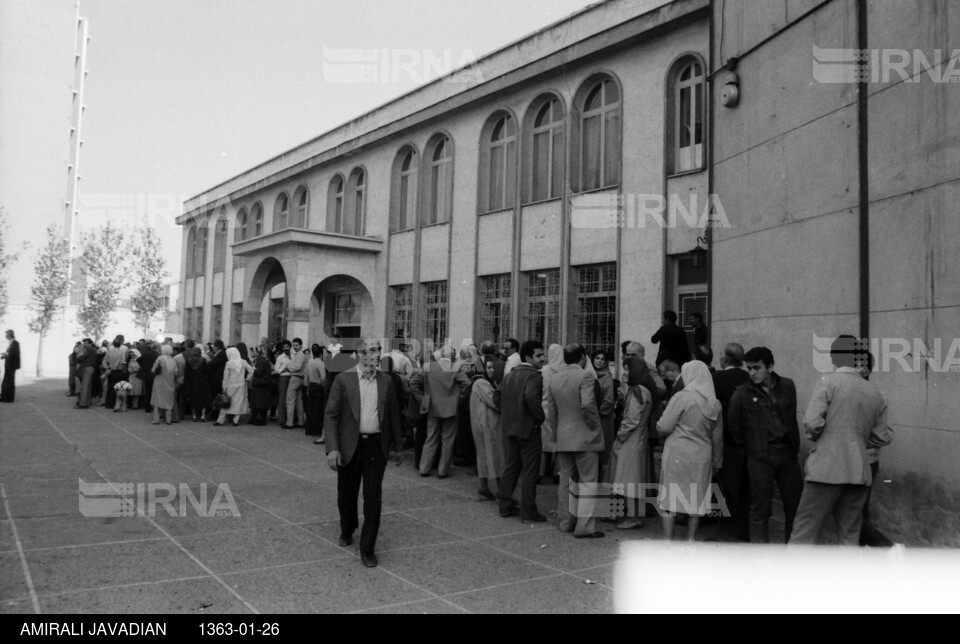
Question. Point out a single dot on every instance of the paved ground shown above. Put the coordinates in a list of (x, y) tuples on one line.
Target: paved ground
[(441, 549)]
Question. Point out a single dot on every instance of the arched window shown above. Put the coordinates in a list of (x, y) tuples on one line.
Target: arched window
[(301, 200), (220, 241), (438, 187), (240, 232), (498, 163), (403, 203), (335, 205), (686, 111), (596, 155), (256, 217), (544, 152), (281, 212), (191, 251), (354, 219), (200, 250)]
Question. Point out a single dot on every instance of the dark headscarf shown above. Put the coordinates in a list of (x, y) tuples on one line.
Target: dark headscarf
[(194, 357), (638, 374), (244, 354)]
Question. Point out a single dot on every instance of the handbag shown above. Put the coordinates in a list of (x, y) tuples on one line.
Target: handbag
[(221, 401)]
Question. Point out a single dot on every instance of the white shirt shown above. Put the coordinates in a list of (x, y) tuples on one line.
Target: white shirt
[(283, 361), (369, 403), (512, 362), (334, 348)]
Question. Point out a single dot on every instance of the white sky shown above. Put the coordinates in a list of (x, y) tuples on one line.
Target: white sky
[(183, 95)]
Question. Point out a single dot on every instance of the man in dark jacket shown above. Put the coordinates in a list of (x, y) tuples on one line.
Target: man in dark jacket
[(86, 368), (11, 362), (148, 357), (763, 418), (733, 474), (215, 369), (520, 401), (672, 341)]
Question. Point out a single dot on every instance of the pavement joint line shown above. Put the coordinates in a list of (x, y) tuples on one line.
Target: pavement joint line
[(504, 585), (400, 605), (93, 589), (155, 524), (256, 506), (91, 545), (23, 557)]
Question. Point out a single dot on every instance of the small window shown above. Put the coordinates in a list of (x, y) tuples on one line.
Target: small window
[(542, 314), (257, 217), (335, 205), (596, 315), (300, 215), (495, 307), (200, 251), (403, 311), (354, 220), (191, 251), (240, 231), (435, 312), (281, 213), (220, 242)]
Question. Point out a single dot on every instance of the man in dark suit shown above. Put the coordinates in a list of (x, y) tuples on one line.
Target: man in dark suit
[(361, 422), (520, 401), (215, 369), (733, 474), (11, 362)]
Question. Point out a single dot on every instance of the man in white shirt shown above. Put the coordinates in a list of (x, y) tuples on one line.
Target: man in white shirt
[(282, 369), (511, 349), (298, 371), (335, 347)]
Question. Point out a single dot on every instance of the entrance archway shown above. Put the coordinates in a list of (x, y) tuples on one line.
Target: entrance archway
[(341, 304), (268, 296)]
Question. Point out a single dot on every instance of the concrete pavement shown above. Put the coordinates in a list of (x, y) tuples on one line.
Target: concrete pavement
[(441, 549)]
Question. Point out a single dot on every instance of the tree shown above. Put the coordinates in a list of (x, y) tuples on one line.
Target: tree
[(5, 262), (105, 261), (149, 272), (50, 286)]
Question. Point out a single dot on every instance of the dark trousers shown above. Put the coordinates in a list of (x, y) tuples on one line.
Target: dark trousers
[(112, 379), (86, 385), (734, 479), (779, 465), (147, 395), (419, 439), (8, 387), (72, 379), (366, 468), (314, 412), (523, 463)]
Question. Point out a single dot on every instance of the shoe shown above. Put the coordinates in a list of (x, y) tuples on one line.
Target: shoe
[(630, 524), (345, 540), (424, 476), (195, 419), (319, 441), (539, 518), (369, 560), (487, 494), (156, 422), (443, 476), (218, 424), (512, 512), (592, 535), (286, 427)]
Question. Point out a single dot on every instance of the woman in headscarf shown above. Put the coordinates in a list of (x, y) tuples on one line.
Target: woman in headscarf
[(693, 450), (470, 365), (485, 425), (164, 394), (133, 376), (235, 385), (554, 364), (260, 387), (628, 460), (196, 384), (606, 403)]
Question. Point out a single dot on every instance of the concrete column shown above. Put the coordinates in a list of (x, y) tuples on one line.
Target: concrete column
[(250, 333)]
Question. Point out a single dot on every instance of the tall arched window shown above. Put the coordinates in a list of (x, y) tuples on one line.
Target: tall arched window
[(403, 203), (544, 152), (256, 217), (281, 212), (335, 205), (597, 145), (438, 188), (220, 241), (200, 251), (686, 111), (191, 251), (354, 219), (301, 203), (240, 232), (498, 163)]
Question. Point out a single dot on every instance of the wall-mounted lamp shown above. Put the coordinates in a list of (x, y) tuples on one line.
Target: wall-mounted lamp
[(730, 94), (699, 254)]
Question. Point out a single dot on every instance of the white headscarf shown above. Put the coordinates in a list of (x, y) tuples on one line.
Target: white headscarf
[(233, 358), (696, 378)]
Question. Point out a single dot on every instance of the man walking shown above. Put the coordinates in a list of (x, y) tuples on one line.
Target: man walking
[(579, 438), (362, 422), (520, 401), (846, 417), (763, 418), (11, 363), (733, 474)]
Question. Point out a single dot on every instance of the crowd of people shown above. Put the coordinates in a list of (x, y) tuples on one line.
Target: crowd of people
[(523, 415)]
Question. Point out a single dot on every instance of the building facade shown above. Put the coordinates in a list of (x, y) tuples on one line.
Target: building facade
[(575, 184)]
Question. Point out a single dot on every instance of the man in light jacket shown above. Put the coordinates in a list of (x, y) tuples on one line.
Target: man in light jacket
[(846, 416), (572, 409)]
